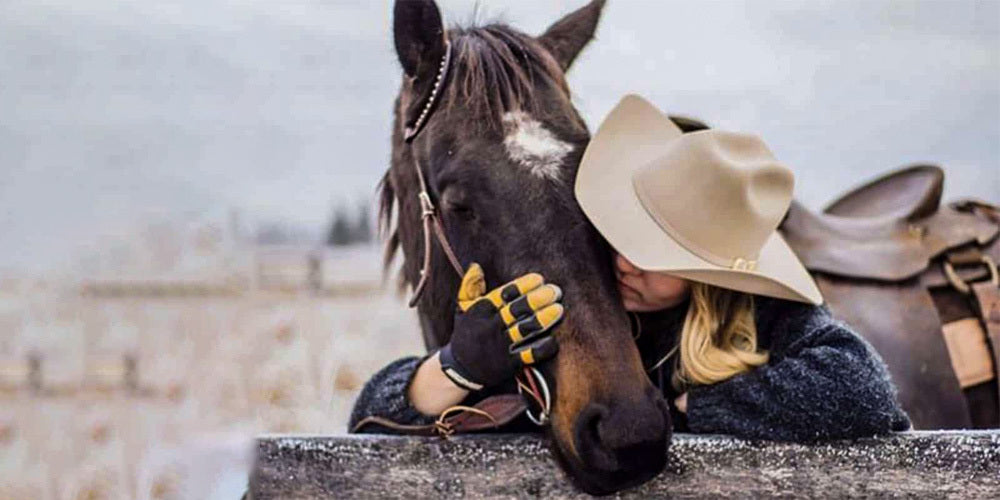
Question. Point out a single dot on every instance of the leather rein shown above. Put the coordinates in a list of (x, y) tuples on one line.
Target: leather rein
[(494, 411)]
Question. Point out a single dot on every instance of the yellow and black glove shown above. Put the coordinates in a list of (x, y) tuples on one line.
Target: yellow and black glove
[(497, 333)]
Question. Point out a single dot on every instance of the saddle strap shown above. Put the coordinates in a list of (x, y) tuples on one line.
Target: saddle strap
[(490, 413), (987, 295), (989, 210)]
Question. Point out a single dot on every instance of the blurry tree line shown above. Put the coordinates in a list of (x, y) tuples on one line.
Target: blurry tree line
[(282, 233), (351, 227), (348, 226)]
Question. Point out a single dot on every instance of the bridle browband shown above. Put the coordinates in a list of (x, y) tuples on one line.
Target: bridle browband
[(531, 384)]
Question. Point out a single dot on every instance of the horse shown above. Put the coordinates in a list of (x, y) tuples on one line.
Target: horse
[(486, 141)]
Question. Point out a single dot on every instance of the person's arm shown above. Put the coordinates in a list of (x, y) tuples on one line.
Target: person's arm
[(408, 391), (495, 333), (822, 383), (385, 395), (431, 391)]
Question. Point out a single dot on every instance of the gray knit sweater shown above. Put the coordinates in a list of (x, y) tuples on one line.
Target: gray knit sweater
[(822, 381)]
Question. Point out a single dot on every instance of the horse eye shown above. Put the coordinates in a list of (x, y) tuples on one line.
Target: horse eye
[(460, 209)]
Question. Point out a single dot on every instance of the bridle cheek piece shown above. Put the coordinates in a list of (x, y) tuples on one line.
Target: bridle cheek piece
[(530, 382), (429, 216)]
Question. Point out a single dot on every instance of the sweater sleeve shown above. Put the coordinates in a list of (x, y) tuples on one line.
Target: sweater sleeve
[(384, 395), (822, 382)]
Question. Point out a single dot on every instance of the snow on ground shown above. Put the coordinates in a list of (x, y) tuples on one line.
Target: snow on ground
[(211, 372)]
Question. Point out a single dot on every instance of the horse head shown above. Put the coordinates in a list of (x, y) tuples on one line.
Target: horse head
[(500, 154)]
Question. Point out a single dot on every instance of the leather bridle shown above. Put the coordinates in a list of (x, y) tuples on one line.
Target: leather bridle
[(494, 411), (428, 212)]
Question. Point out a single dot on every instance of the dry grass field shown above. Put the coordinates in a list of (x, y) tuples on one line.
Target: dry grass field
[(157, 396)]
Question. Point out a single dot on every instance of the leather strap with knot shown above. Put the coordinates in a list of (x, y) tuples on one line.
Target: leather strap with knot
[(488, 414)]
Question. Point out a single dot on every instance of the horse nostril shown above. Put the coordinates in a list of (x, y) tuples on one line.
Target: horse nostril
[(588, 438), (633, 438)]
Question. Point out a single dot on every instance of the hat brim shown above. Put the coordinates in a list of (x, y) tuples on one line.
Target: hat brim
[(634, 134)]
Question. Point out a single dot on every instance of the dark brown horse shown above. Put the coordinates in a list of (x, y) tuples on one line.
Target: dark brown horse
[(499, 154)]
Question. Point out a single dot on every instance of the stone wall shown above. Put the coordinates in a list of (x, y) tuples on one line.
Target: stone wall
[(919, 464)]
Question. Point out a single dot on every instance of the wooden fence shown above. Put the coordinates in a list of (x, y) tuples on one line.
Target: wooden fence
[(914, 464)]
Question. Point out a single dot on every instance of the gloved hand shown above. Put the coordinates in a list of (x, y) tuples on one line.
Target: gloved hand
[(497, 333)]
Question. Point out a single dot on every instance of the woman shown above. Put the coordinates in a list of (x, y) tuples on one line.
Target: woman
[(728, 322)]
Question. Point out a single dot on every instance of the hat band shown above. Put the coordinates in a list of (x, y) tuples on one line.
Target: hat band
[(748, 264)]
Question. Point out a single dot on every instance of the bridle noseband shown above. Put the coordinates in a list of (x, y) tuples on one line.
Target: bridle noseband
[(530, 383)]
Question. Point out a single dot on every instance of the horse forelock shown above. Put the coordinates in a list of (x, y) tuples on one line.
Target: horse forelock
[(500, 70), (501, 80)]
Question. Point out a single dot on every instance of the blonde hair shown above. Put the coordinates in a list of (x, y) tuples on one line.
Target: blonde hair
[(718, 339)]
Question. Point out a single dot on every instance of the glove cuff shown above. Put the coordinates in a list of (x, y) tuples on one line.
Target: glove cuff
[(455, 371)]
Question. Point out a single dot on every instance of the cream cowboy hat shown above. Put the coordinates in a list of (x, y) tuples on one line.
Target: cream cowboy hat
[(702, 206)]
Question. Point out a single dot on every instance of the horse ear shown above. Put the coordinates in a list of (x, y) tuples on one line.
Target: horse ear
[(419, 36), (568, 36)]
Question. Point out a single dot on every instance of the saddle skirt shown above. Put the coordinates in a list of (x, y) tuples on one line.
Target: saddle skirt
[(889, 229), (916, 279)]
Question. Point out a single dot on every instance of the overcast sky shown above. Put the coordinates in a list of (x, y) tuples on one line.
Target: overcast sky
[(112, 112)]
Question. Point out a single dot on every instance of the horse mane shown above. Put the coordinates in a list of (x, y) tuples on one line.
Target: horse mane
[(496, 70), (386, 206)]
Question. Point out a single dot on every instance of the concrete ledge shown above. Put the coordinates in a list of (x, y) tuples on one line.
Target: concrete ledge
[(923, 464)]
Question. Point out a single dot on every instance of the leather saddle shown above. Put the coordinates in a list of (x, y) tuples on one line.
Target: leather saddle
[(919, 281)]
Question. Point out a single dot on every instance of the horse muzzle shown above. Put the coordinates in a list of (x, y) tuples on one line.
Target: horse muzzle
[(617, 443)]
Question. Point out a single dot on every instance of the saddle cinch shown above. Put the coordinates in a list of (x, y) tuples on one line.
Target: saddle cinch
[(919, 281)]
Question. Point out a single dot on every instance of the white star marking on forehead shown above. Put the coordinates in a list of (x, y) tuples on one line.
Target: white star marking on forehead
[(533, 146)]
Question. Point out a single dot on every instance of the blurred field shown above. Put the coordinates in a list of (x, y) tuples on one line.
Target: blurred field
[(153, 394)]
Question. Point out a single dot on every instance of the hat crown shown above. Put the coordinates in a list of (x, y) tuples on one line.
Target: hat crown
[(719, 194)]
